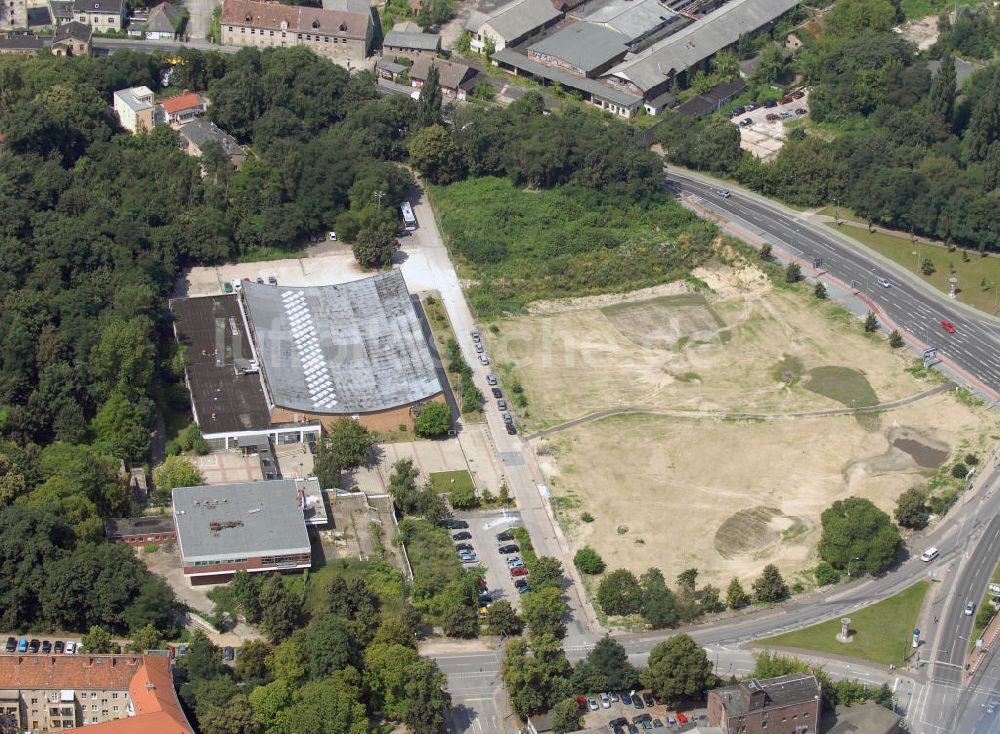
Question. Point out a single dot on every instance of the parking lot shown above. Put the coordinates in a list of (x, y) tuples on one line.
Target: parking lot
[(484, 526), (764, 137), (670, 720)]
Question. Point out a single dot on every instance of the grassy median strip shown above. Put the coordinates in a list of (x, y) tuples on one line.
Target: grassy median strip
[(470, 400), (978, 277), (882, 632), (983, 617)]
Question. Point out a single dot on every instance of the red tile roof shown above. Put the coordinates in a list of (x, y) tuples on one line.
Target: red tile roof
[(186, 101), (296, 18)]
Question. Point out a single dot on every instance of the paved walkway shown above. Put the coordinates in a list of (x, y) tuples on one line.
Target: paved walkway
[(745, 416)]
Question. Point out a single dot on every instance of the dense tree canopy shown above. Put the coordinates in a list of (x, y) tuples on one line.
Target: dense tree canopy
[(858, 536)]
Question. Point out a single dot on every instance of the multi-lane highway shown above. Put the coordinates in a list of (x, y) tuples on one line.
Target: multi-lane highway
[(973, 351)]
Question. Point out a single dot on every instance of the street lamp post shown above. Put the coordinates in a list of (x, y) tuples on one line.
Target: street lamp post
[(856, 558), (838, 211)]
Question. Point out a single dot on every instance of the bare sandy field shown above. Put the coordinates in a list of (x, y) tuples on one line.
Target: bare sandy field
[(743, 347), (729, 497)]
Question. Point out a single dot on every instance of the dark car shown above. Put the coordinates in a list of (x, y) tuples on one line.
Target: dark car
[(771, 103), (464, 546), (626, 698), (798, 95), (633, 729), (505, 549), (785, 100), (738, 111), (11, 644), (34, 645), (461, 536), (505, 536), (485, 597), (620, 721), (616, 729), (456, 524), (637, 701), (59, 647), (641, 718), (746, 122), (228, 653), (581, 703), (657, 724), (801, 111), (46, 647), (510, 428), (523, 589), (520, 583), (502, 404), (648, 698), (496, 392)]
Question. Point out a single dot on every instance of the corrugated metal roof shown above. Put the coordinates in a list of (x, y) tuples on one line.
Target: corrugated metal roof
[(584, 45), (699, 40), (590, 86), (409, 35), (634, 19), (520, 18)]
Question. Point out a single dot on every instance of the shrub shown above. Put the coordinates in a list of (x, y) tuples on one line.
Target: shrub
[(793, 273), (820, 291), (895, 339), (620, 593), (589, 561), (960, 470), (434, 420), (826, 574), (971, 459), (587, 517), (151, 548)]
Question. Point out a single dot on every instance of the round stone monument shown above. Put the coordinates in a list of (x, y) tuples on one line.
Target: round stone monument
[(845, 630)]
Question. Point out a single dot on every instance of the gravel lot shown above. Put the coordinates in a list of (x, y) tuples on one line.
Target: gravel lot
[(484, 526), (764, 139)]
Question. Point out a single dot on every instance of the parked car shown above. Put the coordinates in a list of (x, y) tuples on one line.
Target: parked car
[(22, 645), (616, 729), (456, 524), (523, 589), (34, 646), (515, 562), (496, 392), (647, 724), (272, 280), (475, 336), (505, 549), (626, 698), (59, 648), (461, 536), (581, 703), (647, 697), (470, 559), (751, 106), (484, 360), (593, 704), (519, 571), (801, 111), (785, 114), (333, 236), (485, 597), (657, 724), (237, 285), (772, 117), (621, 720), (637, 701), (948, 326), (228, 653), (502, 404), (746, 122), (464, 546), (614, 698), (72, 647), (506, 417), (510, 429), (479, 348), (641, 718), (227, 287), (505, 535), (770, 104), (260, 280), (798, 94), (520, 583), (11, 644), (46, 647), (491, 380), (633, 729), (681, 719), (737, 111), (785, 100)]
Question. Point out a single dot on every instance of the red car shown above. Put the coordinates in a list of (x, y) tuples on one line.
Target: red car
[(785, 100), (948, 326), (681, 718), (519, 571), (798, 95), (581, 702), (771, 117)]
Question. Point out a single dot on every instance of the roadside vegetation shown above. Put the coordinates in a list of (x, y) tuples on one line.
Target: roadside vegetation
[(898, 145), (468, 396)]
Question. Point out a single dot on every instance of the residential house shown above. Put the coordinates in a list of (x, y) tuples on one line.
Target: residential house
[(342, 30), (112, 694), (26, 44), (61, 11), (249, 526), (194, 135), (135, 24), (788, 704), (408, 40), (455, 79), (181, 109), (103, 15), (72, 39), (511, 24), (13, 14), (135, 109), (164, 22), (651, 72)]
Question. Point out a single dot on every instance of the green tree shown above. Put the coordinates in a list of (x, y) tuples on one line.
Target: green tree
[(434, 420), (852, 17), (176, 471), (546, 571), (770, 586), (98, 641), (328, 646), (927, 266), (463, 497), (326, 466), (687, 579), (427, 702), (543, 611), (121, 426), (770, 64), (711, 600), (858, 535), (236, 717), (826, 574), (589, 561), (941, 99), (610, 658), (350, 442), (619, 593), (820, 291), (435, 155), (281, 608), (459, 619), (525, 680), (503, 620), (251, 663), (566, 717), (959, 470), (374, 248), (736, 597), (793, 273), (911, 509), (678, 669), (146, 638), (155, 604), (766, 252), (429, 105), (896, 339), (871, 323), (659, 607), (203, 660)]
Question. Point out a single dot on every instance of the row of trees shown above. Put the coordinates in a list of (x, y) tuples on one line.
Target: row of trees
[(352, 662), (907, 150)]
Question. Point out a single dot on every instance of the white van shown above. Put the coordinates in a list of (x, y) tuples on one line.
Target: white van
[(884, 282), (930, 554)]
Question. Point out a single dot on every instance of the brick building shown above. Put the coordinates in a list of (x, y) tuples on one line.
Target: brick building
[(140, 531), (72, 39), (789, 704), (109, 694), (342, 30)]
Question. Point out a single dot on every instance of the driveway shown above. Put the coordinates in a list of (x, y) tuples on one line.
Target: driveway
[(200, 12)]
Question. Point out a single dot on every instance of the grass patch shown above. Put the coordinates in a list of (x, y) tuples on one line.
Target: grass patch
[(445, 482), (519, 246), (882, 632), (845, 212), (263, 254), (442, 331), (789, 370), (914, 9), (977, 279), (847, 386)]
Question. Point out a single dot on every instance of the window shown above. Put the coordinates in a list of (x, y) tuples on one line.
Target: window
[(93, 695), (93, 707), (114, 695), (115, 708), (34, 700), (230, 28), (272, 33), (93, 719)]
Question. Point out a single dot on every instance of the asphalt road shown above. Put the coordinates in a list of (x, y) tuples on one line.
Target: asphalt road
[(973, 352)]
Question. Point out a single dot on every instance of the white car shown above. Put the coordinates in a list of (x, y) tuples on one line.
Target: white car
[(605, 701), (884, 282), (333, 236), (970, 607), (70, 647), (237, 285), (484, 360), (515, 562)]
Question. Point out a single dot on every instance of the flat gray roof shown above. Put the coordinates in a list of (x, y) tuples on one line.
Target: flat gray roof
[(520, 18), (356, 347), (590, 86), (698, 41), (254, 519), (584, 45), (410, 35)]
